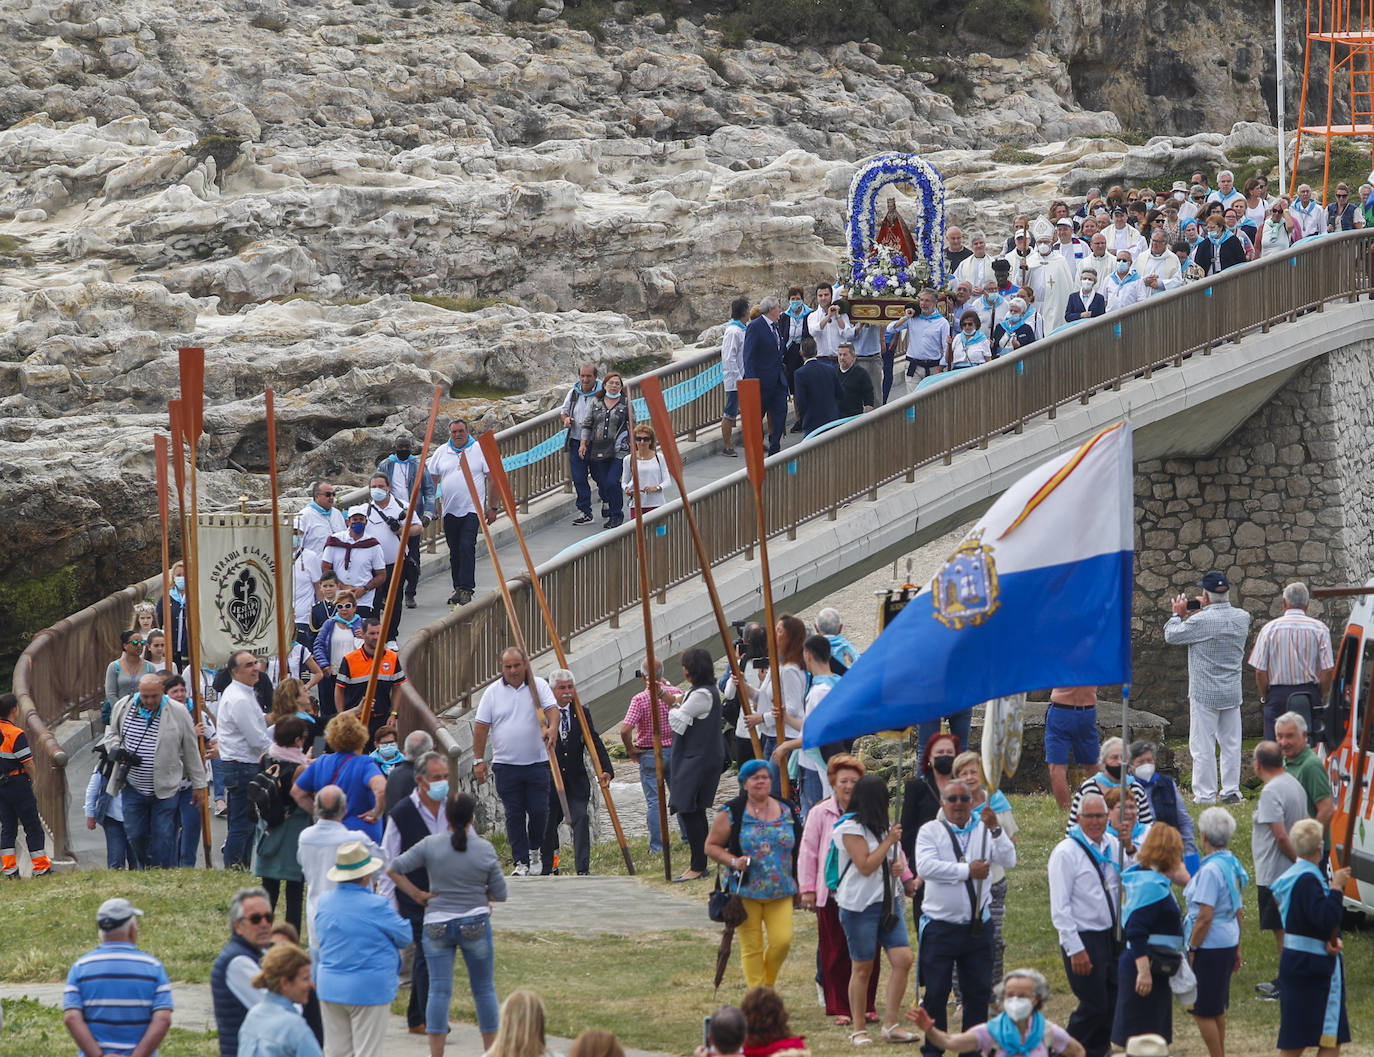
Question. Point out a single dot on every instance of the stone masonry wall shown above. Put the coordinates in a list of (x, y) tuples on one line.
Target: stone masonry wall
[(1286, 497)]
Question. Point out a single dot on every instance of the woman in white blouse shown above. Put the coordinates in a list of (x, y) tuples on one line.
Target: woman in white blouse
[(653, 471)]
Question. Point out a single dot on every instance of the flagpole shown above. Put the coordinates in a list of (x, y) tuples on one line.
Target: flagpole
[(751, 420), (279, 573), (491, 451), (652, 391), (394, 583), (1125, 792), (192, 370)]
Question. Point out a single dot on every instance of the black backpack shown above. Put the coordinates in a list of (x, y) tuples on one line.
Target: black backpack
[(267, 790)]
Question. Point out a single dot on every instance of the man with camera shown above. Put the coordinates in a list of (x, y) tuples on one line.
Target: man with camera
[(151, 744), (1214, 632), (385, 513), (17, 802), (954, 855)]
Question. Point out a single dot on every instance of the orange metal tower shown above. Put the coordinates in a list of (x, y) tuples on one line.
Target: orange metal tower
[(1345, 30)]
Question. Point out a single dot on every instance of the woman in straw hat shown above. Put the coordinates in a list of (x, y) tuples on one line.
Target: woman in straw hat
[(360, 938)]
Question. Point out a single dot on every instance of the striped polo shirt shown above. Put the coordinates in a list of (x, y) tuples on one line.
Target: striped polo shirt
[(117, 987), (140, 736), (1292, 649)]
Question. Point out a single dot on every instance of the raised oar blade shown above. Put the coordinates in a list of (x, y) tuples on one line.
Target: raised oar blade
[(192, 362), (751, 422), (652, 391), (491, 452), (174, 421)]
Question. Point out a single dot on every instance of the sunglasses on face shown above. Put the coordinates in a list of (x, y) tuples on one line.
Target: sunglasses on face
[(326, 495), (958, 799), (136, 642), (644, 440), (258, 919), (345, 605)]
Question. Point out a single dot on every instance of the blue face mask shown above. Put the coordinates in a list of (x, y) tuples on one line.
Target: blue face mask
[(179, 582), (439, 790), (357, 527), (387, 752), (378, 495)]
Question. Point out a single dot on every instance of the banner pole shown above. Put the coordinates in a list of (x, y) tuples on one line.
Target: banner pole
[(160, 454), (283, 653)]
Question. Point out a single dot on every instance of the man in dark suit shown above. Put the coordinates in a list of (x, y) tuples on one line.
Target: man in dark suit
[(763, 360), (816, 388), (568, 749)]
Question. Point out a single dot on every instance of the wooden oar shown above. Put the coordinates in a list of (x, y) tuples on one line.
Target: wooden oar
[(191, 361), (651, 675), (491, 451), (370, 694), (283, 651), (652, 391), (161, 447), (480, 507), (751, 421)]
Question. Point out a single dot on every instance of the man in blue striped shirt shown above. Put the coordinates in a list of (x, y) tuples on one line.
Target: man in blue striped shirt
[(118, 999)]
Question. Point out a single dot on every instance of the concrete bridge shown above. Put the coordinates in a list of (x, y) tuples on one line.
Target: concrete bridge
[(1249, 396)]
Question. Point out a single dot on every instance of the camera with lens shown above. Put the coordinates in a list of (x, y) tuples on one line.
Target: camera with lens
[(122, 761)]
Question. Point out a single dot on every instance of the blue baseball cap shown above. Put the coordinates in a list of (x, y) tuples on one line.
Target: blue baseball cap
[(1215, 581)]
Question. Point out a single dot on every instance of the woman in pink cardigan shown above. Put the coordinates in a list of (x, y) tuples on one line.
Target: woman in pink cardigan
[(844, 771)]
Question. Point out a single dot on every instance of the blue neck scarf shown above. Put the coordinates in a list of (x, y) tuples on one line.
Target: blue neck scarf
[(972, 339), (965, 830), (1102, 856), (1007, 1035), (350, 623), (319, 508), (1142, 888), (471, 441), (177, 596), (1236, 879), (1282, 889), (737, 323), (1122, 280), (1103, 778), (935, 314), (151, 713)]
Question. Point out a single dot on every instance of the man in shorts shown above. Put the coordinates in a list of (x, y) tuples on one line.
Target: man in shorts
[(1070, 731)]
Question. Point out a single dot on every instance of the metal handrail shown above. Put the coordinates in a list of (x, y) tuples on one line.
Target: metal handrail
[(453, 658)]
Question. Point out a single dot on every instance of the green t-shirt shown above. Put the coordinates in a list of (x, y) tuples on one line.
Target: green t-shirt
[(1312, 776)]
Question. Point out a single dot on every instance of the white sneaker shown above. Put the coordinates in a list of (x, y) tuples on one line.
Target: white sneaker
[(536, 863), (521, 870)]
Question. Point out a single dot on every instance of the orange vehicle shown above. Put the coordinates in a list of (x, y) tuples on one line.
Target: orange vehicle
[(1343, 737)]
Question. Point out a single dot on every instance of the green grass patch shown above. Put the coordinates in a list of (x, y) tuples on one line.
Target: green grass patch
[(614, 982), (32, 1028), (369, 38), (1009, 155), (1134, 137), (467, 389), (460, 304)]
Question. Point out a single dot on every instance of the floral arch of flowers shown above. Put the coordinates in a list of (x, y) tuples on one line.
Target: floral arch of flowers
[(888, 275)]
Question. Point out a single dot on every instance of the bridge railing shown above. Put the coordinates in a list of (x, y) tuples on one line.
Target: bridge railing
[(451, 660)]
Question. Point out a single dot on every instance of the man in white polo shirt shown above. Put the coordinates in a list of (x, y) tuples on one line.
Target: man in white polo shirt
[(520, 745), (357, 560), (460, 514)]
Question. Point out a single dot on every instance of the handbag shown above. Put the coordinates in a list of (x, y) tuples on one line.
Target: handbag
[(724, 905)]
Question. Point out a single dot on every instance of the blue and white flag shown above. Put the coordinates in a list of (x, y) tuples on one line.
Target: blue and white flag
[(1037, 595)]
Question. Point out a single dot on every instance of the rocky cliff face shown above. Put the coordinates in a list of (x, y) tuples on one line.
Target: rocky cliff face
[(286, 185)]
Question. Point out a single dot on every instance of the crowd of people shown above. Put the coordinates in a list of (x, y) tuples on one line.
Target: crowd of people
[(1115, 249)]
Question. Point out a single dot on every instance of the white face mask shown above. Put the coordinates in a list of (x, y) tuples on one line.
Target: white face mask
[(379, 495), (1145, 772), (1044, 249), (1123, 267), (1018, 1007), (1086, 284)]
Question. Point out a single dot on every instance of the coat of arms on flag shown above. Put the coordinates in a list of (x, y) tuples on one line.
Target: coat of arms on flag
[(965, 588)]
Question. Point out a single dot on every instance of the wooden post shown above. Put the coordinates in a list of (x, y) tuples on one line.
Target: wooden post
[(370, 694), (646, 606), (652, 393), (751, 420), (160, 456), (491, 451)]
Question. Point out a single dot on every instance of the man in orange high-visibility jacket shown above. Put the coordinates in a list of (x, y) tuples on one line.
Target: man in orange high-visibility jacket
[(351, 684), (17, 802)]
